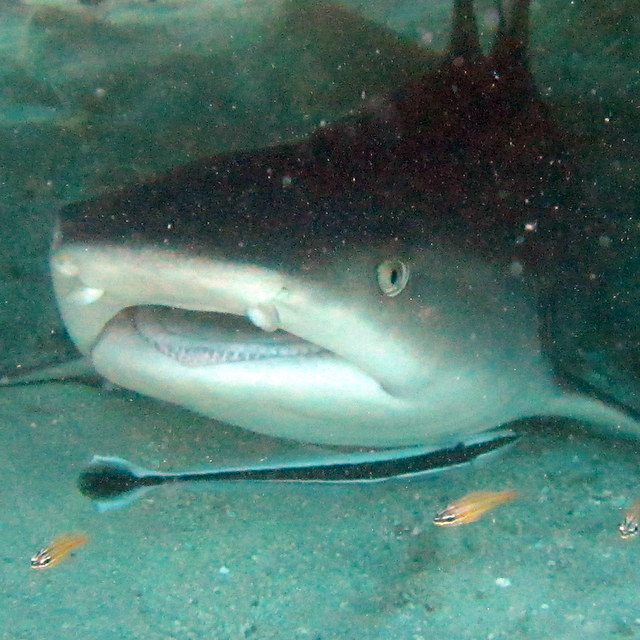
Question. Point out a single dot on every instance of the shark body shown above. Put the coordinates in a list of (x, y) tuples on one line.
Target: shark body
[(340, 361), (375, 284)]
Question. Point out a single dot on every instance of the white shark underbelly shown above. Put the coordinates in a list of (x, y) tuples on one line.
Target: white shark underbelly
[(318, 398)]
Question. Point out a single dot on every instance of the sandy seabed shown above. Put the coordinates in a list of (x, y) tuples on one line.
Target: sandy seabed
[(255, 561)]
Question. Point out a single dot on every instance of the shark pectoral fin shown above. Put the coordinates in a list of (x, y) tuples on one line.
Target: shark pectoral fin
[(600, 416), (72, 369)]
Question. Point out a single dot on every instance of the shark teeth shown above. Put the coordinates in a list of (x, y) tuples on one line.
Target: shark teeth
[(199, 357), (192, 345)]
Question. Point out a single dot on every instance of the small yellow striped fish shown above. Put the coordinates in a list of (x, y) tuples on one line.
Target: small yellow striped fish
[(471, 507), (58, 550), (630, 524)]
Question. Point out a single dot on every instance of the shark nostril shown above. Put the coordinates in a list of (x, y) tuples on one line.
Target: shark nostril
[(264, 317), (84, 296), (65, 266)]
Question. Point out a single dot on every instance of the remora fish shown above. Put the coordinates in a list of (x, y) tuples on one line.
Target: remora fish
[(360, 287), (114, 482)]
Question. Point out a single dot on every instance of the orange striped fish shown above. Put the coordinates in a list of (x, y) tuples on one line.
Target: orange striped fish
[(58, 550), (471, 507)]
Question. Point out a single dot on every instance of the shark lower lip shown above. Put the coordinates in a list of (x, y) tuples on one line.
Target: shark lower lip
[(197, 339)]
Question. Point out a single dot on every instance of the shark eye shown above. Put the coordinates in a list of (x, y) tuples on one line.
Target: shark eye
[(393, 276)]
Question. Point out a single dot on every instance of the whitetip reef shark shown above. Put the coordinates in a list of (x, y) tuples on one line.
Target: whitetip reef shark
[(375, 284)]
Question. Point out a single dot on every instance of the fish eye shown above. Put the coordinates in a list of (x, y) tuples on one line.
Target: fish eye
[(393, 276)]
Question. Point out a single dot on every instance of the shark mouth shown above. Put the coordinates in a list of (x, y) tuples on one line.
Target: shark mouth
[(136, 311), (198, 338)]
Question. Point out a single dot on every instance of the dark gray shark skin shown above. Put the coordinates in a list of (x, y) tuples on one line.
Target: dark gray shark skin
[(374, 284)]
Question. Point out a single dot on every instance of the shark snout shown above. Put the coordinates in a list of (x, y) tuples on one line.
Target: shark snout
[(94, 283)]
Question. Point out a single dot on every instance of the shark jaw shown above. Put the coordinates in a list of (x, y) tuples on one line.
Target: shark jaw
[(362, 347)]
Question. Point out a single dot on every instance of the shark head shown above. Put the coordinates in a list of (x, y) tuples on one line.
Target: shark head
[(361, 286), (363, 340)]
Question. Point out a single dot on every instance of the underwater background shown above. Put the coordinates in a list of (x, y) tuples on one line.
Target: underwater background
[(99, 94)]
